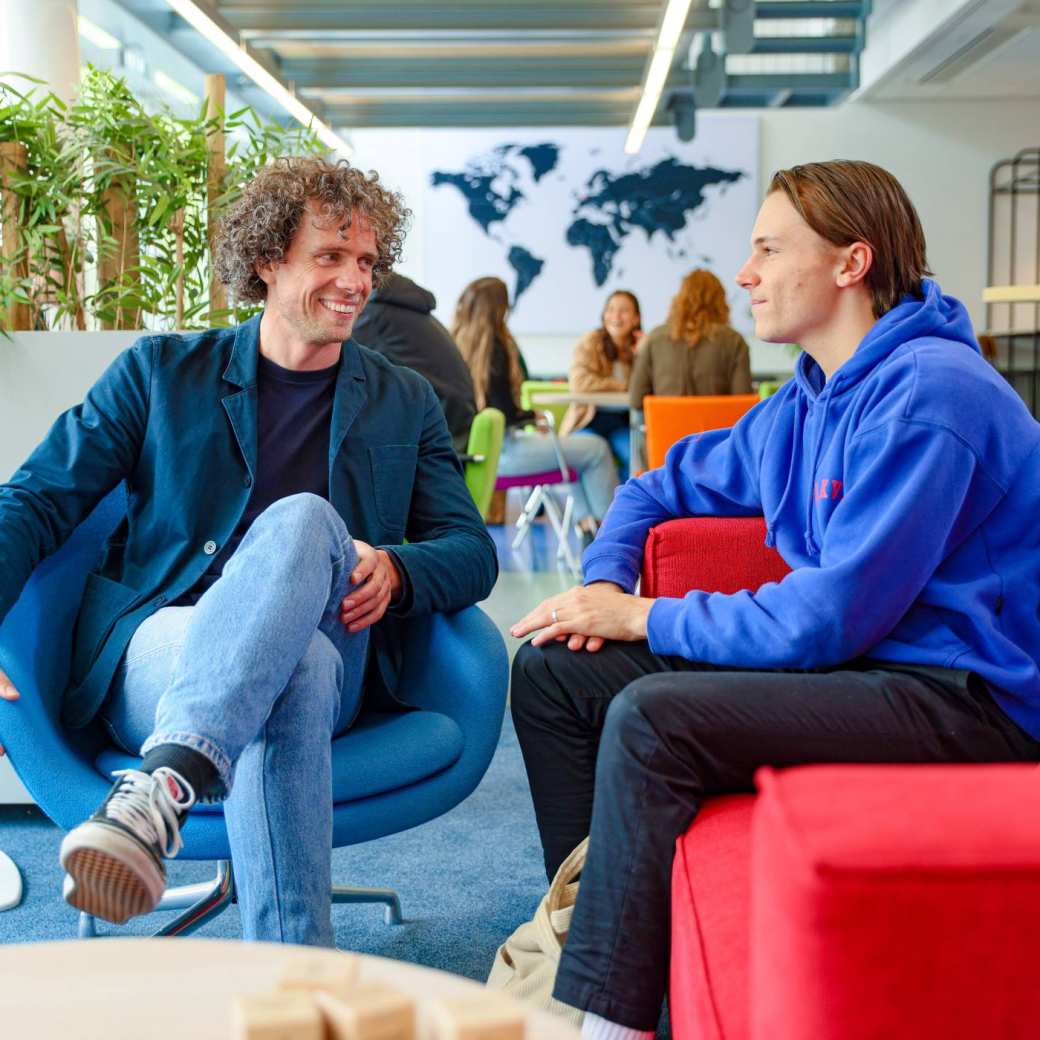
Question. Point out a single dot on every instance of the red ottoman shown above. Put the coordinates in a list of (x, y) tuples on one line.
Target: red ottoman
[(711, 896), (896, 902)]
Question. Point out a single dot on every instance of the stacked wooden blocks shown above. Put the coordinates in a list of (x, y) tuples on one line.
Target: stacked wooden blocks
[(323, 998)]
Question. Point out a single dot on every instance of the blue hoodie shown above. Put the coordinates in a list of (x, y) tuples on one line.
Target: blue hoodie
[(904, 493)]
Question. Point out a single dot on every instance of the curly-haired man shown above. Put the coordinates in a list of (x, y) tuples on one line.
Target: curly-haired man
[(228, 633)]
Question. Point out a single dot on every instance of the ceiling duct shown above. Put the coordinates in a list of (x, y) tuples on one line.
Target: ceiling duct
[(968, 54)]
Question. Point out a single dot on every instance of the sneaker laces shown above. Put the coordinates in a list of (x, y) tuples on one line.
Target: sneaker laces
[(145, 803)]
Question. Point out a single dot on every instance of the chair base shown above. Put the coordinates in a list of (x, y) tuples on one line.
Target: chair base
[(542, 496), (205, 900), (10, 883), (351, 894), (200, 902)]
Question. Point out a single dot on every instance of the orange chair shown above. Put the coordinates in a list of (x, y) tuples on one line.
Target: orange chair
[(669, 419)]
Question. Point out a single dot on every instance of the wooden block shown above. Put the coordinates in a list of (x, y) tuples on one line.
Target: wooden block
[(374, 1011), (335, 973), (276, 1016), (489, 1016)]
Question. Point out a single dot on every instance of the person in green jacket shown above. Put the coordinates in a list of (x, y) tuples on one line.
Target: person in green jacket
[(292, 497)]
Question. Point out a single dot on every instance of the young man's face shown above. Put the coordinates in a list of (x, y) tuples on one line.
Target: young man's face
[(325, 280), (790, 275)]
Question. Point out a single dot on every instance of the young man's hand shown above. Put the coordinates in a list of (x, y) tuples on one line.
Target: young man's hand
[(378, 585), (586, 617), (7, 693)]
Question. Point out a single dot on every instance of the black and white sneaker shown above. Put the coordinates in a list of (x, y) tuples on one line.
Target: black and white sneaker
[(114, 861)]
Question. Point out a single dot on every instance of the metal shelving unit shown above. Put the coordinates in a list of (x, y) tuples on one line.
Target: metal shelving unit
[(1013, 271)]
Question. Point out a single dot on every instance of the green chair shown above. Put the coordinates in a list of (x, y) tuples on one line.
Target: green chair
[(481, 458), (538, 386)]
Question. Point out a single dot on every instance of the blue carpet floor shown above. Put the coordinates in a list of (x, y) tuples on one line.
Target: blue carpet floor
[(465, 880)]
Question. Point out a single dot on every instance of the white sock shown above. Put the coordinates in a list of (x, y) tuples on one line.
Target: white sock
[(596, 1028)]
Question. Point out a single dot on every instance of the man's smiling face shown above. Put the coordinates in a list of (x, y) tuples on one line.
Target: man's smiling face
[(791, 275), (325, 280)]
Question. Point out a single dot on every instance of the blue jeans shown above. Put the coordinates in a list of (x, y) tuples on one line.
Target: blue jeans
[(589, 455), (259, 676)]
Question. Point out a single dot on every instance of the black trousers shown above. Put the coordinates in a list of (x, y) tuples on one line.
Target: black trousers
[(625, 745)]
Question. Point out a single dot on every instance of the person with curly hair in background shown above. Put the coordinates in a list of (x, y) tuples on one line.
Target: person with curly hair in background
[(274, 472), (602, 361), (696, 352), (479, 328)]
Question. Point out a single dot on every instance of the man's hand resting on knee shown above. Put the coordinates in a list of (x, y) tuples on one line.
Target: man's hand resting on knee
[(586, 617), (378, 585)]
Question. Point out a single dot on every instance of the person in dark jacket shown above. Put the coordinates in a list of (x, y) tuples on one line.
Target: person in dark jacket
[(292, 498), (399, 323)]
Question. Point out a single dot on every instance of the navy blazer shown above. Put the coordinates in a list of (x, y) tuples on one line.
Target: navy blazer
[(174, 417)]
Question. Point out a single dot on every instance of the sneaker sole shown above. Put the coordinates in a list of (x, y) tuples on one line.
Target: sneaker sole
[(109, 875)]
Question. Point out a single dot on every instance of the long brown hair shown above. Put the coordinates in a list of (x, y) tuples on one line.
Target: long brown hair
[(480, 322), (699, 304), (846, 201), (606, 344)]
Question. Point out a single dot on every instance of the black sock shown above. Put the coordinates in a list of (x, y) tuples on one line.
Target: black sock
[(198, 770)]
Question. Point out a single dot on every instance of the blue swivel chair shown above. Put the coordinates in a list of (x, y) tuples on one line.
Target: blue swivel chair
[(391, 771)]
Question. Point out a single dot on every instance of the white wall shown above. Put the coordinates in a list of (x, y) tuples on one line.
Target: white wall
[(941, 151), (42, 374)]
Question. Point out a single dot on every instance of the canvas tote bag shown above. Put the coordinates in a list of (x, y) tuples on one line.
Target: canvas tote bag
[(525, 964)]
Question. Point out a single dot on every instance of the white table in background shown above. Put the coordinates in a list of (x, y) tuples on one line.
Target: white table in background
[(609, 401)]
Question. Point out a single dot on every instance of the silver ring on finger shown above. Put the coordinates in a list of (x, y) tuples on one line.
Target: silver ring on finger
[(555, 617)]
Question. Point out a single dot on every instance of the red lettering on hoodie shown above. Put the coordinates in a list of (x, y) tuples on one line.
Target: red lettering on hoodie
[(831, 489)]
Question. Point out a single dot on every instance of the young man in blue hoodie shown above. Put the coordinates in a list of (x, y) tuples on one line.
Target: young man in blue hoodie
[(900, 479)]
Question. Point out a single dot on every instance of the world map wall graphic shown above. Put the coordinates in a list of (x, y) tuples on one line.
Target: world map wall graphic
[(659, 199), (564, 217)]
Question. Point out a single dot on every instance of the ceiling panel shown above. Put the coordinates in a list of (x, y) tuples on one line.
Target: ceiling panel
[(516, 62)]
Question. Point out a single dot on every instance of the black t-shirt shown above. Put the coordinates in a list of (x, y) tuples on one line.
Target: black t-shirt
[(293, 422)]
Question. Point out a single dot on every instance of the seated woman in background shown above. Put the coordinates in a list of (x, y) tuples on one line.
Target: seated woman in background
[(696, 352), (497, 368), (603, 361)]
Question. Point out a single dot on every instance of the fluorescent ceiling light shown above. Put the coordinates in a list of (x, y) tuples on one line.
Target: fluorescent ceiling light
[(205, 25), (660, 65), (175, 89), (97, 36)]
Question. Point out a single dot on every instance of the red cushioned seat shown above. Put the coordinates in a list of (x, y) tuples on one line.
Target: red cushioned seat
[(711, 897), (716, 555), (848, 902), (896, 902)]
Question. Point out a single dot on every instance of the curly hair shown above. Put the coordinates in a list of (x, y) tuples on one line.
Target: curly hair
[(260, 226), (699, 304)]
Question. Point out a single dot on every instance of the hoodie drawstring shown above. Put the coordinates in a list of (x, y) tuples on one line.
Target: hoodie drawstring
[(800, 405), (810, 534)]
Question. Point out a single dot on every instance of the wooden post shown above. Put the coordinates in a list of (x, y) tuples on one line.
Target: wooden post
[(120, 265), (70, 267), (13, 160), (217, 168), (177, 227)]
